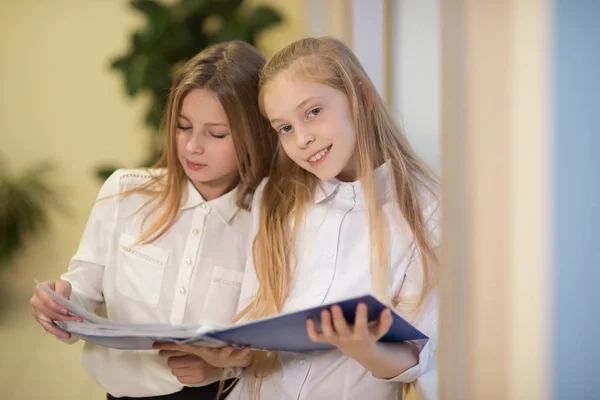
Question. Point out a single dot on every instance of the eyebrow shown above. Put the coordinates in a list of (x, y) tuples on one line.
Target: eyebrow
[(206, 124), (301, 105)]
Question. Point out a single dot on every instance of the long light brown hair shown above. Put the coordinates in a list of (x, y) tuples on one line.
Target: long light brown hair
[(290, 189), (230, 71)]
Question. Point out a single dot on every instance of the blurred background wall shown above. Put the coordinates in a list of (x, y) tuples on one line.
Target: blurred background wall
[(509, 89)]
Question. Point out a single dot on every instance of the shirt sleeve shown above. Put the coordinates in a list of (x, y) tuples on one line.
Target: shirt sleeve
[(86, 268), (250, 283), (424, 318)]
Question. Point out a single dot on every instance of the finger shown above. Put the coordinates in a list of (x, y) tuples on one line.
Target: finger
[(192, 373), (199, 351), (41, 299), (312, 332), (339, 322), (48, 302), (52, 328), (56, 331), (190, 380), (243, 352), (63, 288), (186, 348), (40, 309), (329, 332), (167, 346), (171, 353), (385, 323), (361, 321), (226, 352), (202, 352), (184, 371), (183, 361)]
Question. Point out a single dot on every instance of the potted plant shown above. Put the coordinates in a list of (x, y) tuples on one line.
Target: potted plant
[(25, 201)]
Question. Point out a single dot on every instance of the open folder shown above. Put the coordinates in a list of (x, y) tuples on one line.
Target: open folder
[(284, 332)]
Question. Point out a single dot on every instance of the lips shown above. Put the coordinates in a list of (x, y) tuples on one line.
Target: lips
[(195, 165), (319, 154)]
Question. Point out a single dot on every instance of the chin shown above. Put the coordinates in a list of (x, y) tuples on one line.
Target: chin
[(326, 174)]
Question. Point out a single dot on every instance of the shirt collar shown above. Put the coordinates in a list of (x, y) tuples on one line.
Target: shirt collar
[(329, 188), (225, 206)]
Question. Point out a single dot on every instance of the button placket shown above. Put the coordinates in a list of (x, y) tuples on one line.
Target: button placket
[(330, 235), (187, 266)]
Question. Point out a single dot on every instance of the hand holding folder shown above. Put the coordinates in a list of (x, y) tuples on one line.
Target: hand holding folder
[(284, 332)]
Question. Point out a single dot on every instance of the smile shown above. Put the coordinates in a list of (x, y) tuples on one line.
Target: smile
[(320, 156)]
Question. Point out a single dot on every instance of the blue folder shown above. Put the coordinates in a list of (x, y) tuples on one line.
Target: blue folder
[(285, 332)]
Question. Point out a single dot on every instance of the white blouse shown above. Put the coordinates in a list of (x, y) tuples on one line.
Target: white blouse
[(192, 273), (332, 251)]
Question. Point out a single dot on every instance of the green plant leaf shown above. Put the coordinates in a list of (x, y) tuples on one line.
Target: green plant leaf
[(25, 201), (262, 17), (147, 6), (120, 63), (102, 173)]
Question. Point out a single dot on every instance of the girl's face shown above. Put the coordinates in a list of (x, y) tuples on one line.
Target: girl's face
[(314, 123), (204, 144)]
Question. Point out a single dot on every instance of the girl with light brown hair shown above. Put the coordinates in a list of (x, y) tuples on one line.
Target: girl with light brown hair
[(169, 244)]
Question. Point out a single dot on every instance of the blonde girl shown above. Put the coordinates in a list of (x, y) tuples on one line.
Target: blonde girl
[(348, 209)]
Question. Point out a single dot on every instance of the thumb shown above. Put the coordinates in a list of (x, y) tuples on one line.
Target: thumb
[(50, 284), (62, 288)]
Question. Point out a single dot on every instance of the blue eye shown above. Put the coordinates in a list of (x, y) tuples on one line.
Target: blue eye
[(314, 112), (285, 129)]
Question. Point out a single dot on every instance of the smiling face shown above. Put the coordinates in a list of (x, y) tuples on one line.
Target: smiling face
[(314, 123), (205, 146)]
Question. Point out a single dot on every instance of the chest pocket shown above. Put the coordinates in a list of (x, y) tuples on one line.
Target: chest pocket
[(140, 273), (223, 293)]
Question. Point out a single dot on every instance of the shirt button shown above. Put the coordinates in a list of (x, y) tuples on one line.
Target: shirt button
[(182, 290), (203, 205), (302, 362), (195, 231), (188, 261), (329, 253), (348, 190)]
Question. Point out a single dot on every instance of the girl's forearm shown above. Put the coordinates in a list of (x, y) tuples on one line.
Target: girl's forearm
[(388, 360)]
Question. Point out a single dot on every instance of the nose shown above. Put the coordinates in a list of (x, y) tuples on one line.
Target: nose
[(195, 144), (303, 138)]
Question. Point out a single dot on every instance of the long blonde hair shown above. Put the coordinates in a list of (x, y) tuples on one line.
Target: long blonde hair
[(290, 188), (229, 70)]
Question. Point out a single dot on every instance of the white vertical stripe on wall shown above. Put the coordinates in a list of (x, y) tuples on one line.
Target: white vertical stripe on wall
[(316, 18), (368, 39), (415, 74)]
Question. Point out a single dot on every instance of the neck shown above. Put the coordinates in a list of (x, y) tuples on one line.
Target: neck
[(215, 189)]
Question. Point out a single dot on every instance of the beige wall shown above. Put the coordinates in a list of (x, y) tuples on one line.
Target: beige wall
[(291, 29), (60, 101)]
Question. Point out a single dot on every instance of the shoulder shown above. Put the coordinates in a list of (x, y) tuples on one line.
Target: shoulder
[(430, 199), (430, 203), (123, 180)]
